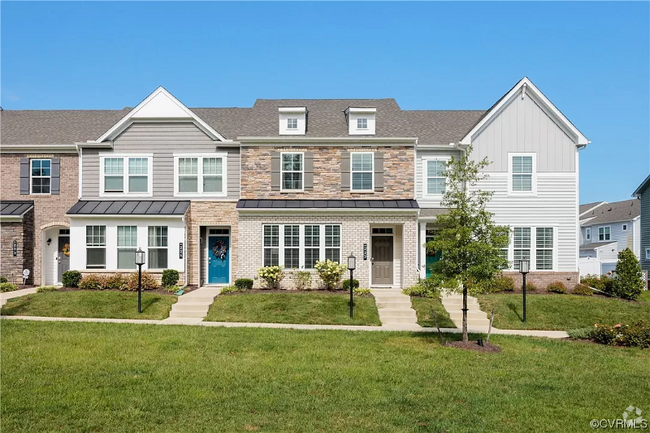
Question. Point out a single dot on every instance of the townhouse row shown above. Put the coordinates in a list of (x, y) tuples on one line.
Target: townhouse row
[(217, 193)]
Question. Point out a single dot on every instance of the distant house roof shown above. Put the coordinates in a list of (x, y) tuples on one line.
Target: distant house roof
[(15, 208), (250, 204), (589, 206), (595, 245), (612, 212), (641, 189), (130, 207)]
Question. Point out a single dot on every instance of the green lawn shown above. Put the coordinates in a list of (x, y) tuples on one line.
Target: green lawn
[(423, 306), (120, 377), (562, 312), (296, 307), (96, 304)]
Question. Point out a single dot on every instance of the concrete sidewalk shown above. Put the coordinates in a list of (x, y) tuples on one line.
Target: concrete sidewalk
[(4, 297), (198, 322)]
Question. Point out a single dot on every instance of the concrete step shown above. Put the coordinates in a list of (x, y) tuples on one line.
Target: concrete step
[(396, 320), (397, 312), (196, 299), (472, 322), (198, 307), (186, 314), (395, 298), (406, 304), (459, 301)]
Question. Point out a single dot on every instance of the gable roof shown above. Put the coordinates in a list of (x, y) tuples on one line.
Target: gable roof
[(525, 85), (440, 126), (589, 206), (641, 188), (612, 212)]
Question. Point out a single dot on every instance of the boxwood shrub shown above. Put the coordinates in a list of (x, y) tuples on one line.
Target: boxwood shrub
[(71, 278)]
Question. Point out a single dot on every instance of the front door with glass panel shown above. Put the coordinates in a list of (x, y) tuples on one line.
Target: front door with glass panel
[(432, 256), (63, 256), (382, 260), (218, 259)]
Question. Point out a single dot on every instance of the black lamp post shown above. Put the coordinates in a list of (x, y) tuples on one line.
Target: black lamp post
[(524, 268), (352, 264), (139, 260)]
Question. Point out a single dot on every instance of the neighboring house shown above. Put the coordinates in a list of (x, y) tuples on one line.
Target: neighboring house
[(217, 193), (642, 193), (605, 230)]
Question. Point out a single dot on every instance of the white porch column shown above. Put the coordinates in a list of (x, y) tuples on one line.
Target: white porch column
[(423, 250)]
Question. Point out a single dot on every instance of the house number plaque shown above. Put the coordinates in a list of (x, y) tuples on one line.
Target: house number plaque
[(365, 251), (180, 250)]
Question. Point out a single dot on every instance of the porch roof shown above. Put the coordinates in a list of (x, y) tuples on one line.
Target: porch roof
[(15, 208), (130, 207), (251, 204)]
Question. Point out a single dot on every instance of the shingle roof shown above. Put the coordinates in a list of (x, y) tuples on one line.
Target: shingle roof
[(595, 245), (585, 207), (612, 212), (326, 204), (129, 207), (15, 208), (441, 126)]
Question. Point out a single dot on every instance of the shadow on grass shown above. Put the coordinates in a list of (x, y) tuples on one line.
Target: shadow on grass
[(514, 308), (147, 303)]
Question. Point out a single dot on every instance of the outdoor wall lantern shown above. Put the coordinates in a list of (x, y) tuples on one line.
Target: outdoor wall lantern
[(49, 241), (352, 264), (524, 268), (139, 260)]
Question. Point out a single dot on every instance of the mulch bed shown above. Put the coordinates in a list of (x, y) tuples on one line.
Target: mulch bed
[(473, 345), (296, 292)]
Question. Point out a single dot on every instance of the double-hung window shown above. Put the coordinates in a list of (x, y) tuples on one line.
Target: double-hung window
[(291, 247), (544, 250), (157, 247), (126, 175), (292, 171), (436, 176), (296, 246), (521, 243), (362, 164), (333, 243), (272, 245), (312, 246), (604, 233), (95, 247), (522, 170), (203, 175), (41, 176), (588, 233), (127, 239)]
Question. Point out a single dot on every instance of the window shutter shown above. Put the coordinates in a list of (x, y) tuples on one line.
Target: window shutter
[(24, 176), (379, 171), (55, 185), (345, 171), (275, 171), (309, 171)]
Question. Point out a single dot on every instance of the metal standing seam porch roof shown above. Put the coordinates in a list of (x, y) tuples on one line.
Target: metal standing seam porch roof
[(15, 208), (252, 204), (130, 207)]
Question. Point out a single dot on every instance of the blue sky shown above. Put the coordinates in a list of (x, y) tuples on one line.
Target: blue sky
[(591, 60)]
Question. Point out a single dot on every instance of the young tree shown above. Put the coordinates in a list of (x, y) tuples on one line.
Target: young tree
[(469, 240), (629, 278)]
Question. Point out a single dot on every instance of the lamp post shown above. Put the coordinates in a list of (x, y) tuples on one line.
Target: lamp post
[(139, 260), (524, 268), (352, 264)]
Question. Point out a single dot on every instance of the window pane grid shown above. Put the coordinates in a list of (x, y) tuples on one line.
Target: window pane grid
[(291, 236), (40, 176), (138, 166), (158, 236), (522, 164), (283, 245), (127, 236), (292, 167), (95, 236), (361, 170)]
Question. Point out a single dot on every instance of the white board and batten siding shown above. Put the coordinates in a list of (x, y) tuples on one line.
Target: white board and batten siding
[(163, 140)]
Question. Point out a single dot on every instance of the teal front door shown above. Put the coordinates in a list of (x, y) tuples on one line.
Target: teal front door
[(218, 260), (432, 256)]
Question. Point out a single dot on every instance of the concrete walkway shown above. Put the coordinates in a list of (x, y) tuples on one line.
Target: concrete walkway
[(394, 308), (198, 322), (4, 297), (476, 318)]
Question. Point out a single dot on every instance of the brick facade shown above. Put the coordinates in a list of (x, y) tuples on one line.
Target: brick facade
[(355, 231), (49, 210), (543, 279), (399, 173), (22, 232)]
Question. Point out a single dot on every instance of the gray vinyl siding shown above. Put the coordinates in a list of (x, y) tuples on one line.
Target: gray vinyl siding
[(623, 239), (525, 127), (645, 228), (425, 201), (163, 140)]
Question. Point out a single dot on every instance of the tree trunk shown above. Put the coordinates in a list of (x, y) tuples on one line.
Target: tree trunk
[(465, 336)]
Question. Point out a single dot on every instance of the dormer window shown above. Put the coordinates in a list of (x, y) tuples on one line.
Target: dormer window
[(361, 121), (293, 120)]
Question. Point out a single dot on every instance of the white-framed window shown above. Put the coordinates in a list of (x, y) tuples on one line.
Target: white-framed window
[(435, 172), (647, 253), (604, 233), (127, 239), (294, 246), (126, 175), (200, 175), (521, 244), (361, 171), (292, 171), (40, 176), (95, 247), (544, 249), (522, 173), (158, 236), (624, 227), (588, 233), (362, 123), (292, 123)]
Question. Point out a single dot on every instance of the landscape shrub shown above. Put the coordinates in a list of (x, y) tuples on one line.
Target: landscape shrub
[(149, 282), (244, 283), (71, 278), (361, 292), (171, 289), (330, 273), (580, 333), (114, 282), (500, 283), (271, 275), (629, 278), (530, 287), (346, 284), (92, 282), (169, 277), (556, 287), (583, 290), (609, 285), (424, 288), (8, 287), (3, 280), (228, 289), (303, 280), (44, 289), (604, 334), (594, 281), (636, 334)]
